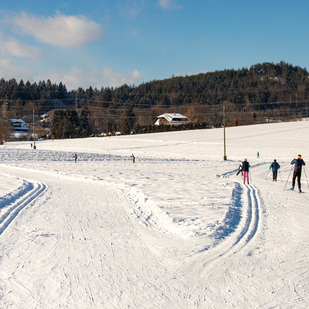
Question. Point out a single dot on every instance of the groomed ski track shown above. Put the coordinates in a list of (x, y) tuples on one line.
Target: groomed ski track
[(11, 204), (243, 226), (93, 243)]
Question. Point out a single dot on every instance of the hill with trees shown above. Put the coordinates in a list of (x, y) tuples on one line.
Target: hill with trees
[(264, 92)]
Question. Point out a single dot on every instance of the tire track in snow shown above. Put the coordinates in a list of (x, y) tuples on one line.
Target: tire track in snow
[(11, 204)]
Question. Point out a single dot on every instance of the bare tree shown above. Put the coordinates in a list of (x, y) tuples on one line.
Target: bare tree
[(4, 131)]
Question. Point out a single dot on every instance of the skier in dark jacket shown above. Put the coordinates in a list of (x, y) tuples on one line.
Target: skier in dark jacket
[(245, 170), (298, 163), (274, 167)]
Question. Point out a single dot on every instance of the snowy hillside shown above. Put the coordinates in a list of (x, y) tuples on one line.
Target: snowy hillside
[(176, 229)]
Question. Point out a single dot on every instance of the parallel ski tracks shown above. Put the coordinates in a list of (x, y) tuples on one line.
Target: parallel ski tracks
[(251, 209), (249, 224), (239, 231), (246, 229), (251, 213), (12, 203)]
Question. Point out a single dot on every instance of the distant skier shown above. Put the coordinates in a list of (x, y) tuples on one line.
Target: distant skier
[(133, 158), (258, 154), (75, 157), (298, 163), (245, 165), (275, 167)]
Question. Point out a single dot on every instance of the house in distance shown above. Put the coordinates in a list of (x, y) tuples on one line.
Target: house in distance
[(18, 126), (174, 119), (19, 130)]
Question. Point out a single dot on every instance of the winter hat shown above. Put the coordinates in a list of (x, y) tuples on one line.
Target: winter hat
[(299, 156)]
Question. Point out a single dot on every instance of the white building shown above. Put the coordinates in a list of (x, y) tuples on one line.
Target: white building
[(19, 129), (174, 119), (19, 126)]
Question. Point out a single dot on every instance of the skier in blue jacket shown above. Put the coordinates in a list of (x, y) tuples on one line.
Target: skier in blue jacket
[(274, 167), (298, 163)]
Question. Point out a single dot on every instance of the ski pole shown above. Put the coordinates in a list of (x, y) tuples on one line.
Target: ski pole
[(306, 177), (267, 174), (279, 175), (288, 178)]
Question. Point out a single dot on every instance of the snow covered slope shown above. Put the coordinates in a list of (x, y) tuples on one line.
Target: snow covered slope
[(176, 229)]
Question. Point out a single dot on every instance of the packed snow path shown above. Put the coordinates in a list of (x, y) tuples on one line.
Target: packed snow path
[(11, 204), (162, 233)]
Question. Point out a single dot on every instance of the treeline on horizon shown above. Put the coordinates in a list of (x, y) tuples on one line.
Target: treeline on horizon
[(264, 92)]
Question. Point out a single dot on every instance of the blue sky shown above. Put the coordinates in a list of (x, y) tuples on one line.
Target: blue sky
[(107, 43)]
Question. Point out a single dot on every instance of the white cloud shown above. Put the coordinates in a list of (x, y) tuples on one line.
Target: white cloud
[(76, 77), (169, 5), (72, 79), (13, 47), (131, 8), (9, 70), (119, 78), (61, 30)]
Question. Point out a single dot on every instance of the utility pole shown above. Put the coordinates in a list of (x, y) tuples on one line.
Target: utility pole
[(224, 156), (34, 147), (76, 101)]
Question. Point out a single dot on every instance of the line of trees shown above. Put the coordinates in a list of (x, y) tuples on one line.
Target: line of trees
[(69, 123), (263, 92)]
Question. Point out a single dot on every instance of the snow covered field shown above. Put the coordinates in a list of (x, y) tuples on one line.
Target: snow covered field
[(177, 229)]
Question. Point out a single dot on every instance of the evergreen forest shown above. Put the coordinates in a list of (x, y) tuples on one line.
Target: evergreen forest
[(265, 92)]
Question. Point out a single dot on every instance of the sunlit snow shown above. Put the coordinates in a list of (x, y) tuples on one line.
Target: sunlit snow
[(175, 229)]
